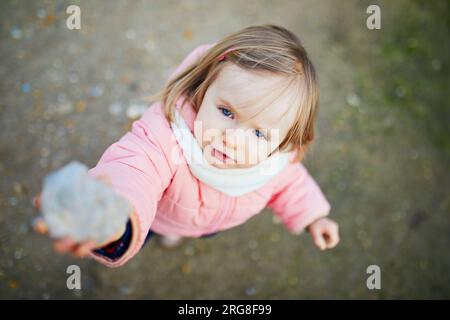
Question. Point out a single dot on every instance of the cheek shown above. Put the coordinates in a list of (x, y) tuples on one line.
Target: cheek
[(254, 151), (263, 150), (206, 129)]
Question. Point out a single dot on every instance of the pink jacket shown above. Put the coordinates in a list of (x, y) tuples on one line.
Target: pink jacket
[(168, 199)]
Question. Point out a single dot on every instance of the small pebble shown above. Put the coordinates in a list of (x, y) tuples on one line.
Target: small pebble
[(16, 33), (252, 244), (125, 290), (65, 108), (400, 92), (73, 78), (116, 109), (12, 201), (18, 188), (186, 268), (130, 34), (57, 63), (353, 100), (436, 64), (136, 110), (18, 254), (276, 219), (96, 91), (13, 284), (250, 292), (41, 13), (26, 87)]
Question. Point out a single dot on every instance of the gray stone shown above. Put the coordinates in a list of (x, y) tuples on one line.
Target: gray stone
[(77, 205)]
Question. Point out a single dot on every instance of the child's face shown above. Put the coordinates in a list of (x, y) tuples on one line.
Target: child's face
[(244, 116)]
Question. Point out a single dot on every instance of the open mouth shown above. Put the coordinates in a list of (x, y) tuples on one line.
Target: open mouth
[(220, 156)]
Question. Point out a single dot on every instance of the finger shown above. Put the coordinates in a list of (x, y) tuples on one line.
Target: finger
[(64, 244), (333, 239), (37, 201), (333, 235), (83, 249), (319, 240), (105, 179), (40, 226)]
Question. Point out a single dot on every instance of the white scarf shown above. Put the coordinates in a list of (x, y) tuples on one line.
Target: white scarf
[(233, 182)]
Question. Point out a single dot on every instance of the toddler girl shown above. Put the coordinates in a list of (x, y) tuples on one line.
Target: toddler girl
[(223, 140)]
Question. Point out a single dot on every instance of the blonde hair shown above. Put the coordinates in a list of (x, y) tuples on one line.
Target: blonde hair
[(267, 48)]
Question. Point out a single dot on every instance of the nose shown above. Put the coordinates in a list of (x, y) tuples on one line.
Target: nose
[(233, 138)]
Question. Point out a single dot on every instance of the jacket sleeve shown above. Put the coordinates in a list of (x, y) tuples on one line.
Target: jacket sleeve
[(139, 170), (298, 200)]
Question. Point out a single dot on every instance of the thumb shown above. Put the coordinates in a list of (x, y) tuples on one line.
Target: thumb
[(105, 179), (319, 240), (40, 226), (37, 201)]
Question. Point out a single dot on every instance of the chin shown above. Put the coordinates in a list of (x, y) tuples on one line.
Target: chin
[(231, 166), (222, 166)]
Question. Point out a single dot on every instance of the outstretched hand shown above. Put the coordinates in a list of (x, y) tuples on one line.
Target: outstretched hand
[(325, 233), (68, 244)]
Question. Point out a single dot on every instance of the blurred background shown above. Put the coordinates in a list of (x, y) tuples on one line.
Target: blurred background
[(381, 156)]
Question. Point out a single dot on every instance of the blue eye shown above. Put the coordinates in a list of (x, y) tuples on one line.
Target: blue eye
[(259, 134), (227, 113)]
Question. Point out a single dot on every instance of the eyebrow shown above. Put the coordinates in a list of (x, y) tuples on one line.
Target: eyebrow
[(267, 131), (229, 105)]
